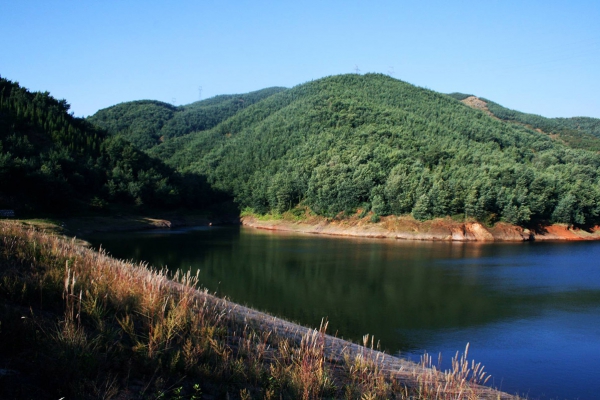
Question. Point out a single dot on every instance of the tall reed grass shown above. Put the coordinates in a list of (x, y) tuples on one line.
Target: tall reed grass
[(76, 323)]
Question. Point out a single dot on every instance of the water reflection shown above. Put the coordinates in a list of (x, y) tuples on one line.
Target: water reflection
[(508, 300)]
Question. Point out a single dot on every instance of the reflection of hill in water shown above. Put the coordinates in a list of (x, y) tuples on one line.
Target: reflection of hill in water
[(362, 286)]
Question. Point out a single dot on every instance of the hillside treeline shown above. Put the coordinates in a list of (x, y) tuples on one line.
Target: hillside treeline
[(379, 144), (51, 161), (333, 145), (147, 123), (576, 132)]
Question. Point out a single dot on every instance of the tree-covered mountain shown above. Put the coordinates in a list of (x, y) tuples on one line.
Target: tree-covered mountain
[(51, 161), (147, 123), (576, 132), (333, 145), (377, 143)]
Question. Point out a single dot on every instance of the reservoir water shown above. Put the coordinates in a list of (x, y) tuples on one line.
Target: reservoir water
[(530, 311)]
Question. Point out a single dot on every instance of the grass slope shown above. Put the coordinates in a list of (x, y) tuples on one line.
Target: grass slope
[(79, 324)]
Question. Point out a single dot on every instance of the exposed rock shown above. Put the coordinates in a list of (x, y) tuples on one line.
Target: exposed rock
[(407, 228), (477, 103), (564, 232), (510, 233)]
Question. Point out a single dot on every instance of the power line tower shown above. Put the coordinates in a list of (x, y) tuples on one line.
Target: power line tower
[(391, 71), (199, 92), (174, 101), (356, 69)]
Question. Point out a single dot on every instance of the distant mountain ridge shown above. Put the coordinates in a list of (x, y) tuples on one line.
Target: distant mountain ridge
[(577, 132), (147, 123)]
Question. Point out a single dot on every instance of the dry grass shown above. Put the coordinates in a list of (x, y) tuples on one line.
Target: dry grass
[(84, 325), (457, 383)]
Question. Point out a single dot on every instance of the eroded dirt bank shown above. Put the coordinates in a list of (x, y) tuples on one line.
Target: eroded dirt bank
[(407, 228)]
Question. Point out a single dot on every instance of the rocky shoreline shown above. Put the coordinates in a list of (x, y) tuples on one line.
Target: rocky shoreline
[(407, 228), (389, 227)]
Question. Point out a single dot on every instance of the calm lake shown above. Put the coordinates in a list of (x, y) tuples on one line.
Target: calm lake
[(531, 311)]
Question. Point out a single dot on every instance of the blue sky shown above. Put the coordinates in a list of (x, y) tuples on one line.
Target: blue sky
[(541, 57)]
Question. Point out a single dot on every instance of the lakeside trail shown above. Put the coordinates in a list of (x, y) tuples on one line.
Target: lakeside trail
[(97, 271), (407, 228)]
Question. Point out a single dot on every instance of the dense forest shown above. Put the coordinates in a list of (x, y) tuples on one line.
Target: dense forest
[(576, 132), (146, 123), (51, 161), (334, 145), (378, 144)]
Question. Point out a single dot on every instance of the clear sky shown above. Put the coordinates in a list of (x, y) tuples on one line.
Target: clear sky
[(540, 57)]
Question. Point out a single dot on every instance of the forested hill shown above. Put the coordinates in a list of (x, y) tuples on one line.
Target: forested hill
[(576, 132), (147, 123), (333, 145), (53, 162), (380, 144)]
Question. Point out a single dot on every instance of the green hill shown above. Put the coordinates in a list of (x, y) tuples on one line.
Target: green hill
[(576, 132), (53, 162), (372, 142), (333, 145), (146, 123)]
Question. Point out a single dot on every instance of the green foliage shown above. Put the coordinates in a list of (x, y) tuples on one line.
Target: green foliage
[(52, 161), (582, 124), (335, 145), (343, 142), (577, 132), (147, 123), (422, 209), (459, 96)]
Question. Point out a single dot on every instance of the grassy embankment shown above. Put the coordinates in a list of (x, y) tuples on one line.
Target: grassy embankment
[(76, 323)]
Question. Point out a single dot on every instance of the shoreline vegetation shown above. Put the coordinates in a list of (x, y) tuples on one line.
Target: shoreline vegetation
[(302, 220), (77, 323), (407, 228)]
